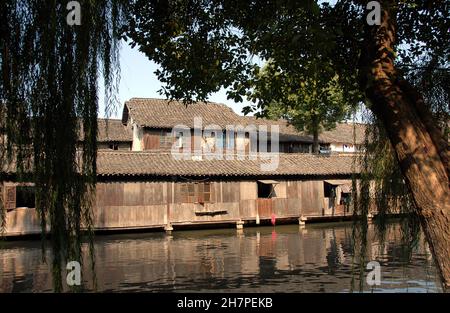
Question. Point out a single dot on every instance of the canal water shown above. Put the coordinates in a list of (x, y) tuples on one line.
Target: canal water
[(317, 258)]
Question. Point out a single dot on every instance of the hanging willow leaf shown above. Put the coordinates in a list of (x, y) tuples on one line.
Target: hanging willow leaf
[(48, 91)]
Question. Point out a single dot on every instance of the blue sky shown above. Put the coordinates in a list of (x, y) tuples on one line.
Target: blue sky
[(138, 80)]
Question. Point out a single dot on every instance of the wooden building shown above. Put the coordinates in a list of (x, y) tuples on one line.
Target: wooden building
[(143, 184), (151, 190)]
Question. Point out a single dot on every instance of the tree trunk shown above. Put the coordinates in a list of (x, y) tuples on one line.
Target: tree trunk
[(418, 147), (315, 147), (315, 126)]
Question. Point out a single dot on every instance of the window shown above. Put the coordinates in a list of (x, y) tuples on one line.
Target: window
[(166, 139), (196, 192), (19, 196), (10, 197), (211, 142), (25, 197), (268, 147), (324, 148), (329, 190), (113, 146), (305, 148), (179, 140), (265, 190)]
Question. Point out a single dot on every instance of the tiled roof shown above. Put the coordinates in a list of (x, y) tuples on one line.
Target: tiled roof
[(157, 164), (111, 130), (287, 131), (343, 133), (160, 113), (131, 163)]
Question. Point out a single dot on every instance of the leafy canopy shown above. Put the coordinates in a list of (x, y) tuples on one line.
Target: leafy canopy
[(204, 45), (312, 103)]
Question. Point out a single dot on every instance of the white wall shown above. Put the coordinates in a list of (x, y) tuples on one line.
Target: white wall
[(138, 133)]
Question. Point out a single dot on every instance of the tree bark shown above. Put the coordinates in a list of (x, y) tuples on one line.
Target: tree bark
[(315, 147), (421, 154)]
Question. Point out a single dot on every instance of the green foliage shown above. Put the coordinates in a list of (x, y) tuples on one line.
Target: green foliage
[(48, 89), (434, 85), (204, 45), (311, 103)]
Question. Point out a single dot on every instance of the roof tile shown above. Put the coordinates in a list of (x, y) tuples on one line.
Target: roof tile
[(164, 164)]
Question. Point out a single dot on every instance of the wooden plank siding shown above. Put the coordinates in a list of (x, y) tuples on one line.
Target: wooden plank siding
[(264, 208), (231, 191), (130, 204), (147, 204), (150, 139), (237, 198), (312, 198)]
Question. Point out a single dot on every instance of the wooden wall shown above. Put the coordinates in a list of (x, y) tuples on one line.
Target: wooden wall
[(122, 204), (151, 139), (311, 197), (128, 204), (144, 204)]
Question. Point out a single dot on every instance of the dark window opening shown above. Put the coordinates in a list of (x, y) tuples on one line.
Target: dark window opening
[(265, 190), (324, 148), (268, 147), (291, 148), (25, 197), (329, 190), (114, 146)]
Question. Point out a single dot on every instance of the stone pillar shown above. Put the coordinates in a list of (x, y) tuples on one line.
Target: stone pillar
[(168, 228), (240, 224), (302, 220), (257, 219)]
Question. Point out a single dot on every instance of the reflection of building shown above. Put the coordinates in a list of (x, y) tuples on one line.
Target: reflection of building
[(151, 176), (220, 260)]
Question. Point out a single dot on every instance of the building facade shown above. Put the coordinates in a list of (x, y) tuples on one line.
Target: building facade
[(165, 165)]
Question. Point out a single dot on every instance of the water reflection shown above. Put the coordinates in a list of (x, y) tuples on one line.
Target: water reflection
[(317, 258)]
